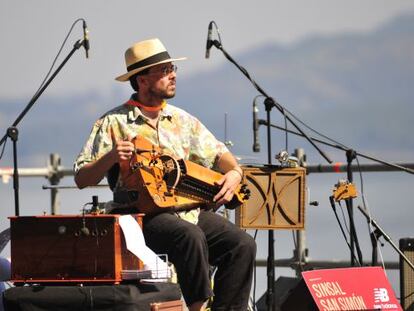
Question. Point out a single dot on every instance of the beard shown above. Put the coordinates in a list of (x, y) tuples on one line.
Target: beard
[(162, 93)]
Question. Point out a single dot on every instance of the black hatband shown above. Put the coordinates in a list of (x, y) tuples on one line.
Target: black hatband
[(150, 60)]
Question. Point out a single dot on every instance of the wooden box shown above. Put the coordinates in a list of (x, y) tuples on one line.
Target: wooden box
[(174, 305), (277, 198), (70, 249)]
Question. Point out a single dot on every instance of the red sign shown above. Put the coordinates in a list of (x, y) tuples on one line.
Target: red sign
[(351, 289)]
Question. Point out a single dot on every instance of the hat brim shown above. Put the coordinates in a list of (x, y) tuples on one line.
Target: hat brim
[(126, 76)]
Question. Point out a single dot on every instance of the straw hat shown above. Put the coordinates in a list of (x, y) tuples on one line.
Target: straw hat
[(143, 55)]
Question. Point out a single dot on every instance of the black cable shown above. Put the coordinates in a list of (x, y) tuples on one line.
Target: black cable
[(344, 217), (362, 183), (353, 230), (50, 70), (362, 194), (286, 131), (295, 243), (58, 54), (232, 61), (371, 230), (4, 146), (331, 199), (315, 131)]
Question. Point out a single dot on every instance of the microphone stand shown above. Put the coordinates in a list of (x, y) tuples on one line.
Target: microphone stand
[(377, 234), (13, 133), (269, 103), (351, 154)]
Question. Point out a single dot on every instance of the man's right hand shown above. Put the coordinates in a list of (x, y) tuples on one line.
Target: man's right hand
[(122, 150), (92, 173)]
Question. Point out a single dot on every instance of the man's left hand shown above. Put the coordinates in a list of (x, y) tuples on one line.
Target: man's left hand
[(228, 183)]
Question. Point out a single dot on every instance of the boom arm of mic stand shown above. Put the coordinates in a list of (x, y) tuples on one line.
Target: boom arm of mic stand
[(218, 45), (399, 167), (76, 46)]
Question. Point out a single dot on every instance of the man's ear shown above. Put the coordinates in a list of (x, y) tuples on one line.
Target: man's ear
[(141, 80)]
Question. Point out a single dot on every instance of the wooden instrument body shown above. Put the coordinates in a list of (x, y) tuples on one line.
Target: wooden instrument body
[(165, 183), (173, 305)]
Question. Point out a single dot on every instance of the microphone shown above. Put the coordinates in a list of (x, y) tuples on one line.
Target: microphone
[(86, 39), (256, 145), (209, 42)]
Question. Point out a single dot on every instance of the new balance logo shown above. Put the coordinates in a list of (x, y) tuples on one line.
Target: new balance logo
[(381, 295)]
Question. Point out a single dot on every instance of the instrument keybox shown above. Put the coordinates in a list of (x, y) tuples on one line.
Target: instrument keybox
[(70, 249)]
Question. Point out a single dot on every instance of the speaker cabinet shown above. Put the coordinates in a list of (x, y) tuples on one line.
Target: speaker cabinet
[(299, 298), (407, 275), (277, 198), (291, 294), (283, 285)]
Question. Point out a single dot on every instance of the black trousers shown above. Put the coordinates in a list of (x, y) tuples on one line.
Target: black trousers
[(214, 241)]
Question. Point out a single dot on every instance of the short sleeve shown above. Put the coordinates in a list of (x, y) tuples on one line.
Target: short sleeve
[(98, 144), (205, 148)]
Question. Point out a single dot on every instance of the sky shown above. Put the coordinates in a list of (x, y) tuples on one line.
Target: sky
[(32, 32)]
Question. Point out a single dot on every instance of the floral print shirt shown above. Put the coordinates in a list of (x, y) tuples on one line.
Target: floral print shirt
[(178, 134)]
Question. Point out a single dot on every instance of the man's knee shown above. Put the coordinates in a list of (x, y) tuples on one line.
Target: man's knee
[(249, 245)]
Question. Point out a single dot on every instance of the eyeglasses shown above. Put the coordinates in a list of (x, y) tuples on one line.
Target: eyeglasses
[(165, 71)]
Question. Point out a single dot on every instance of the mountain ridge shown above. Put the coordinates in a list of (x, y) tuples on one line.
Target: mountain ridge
[(349, 85)]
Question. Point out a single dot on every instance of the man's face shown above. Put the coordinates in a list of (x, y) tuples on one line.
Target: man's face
[(161, 81)]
